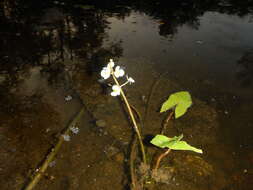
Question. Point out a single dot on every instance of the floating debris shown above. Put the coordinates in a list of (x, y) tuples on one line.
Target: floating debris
[(68, 98), (52, 164), (74, 129), (66, 137), (199, 42)]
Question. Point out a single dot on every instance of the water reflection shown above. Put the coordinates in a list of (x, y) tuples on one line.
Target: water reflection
[(42, 34), (245, 74)]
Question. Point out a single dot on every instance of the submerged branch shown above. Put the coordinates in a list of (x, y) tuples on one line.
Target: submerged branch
[(41, 171)]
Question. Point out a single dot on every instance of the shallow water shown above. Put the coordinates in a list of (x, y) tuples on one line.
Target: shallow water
[(55, 50)]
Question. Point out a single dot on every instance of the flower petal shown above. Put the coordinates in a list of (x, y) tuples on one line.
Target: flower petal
[(113, 93), (119, 72), (111, 64), (115, 90), (105, 73)]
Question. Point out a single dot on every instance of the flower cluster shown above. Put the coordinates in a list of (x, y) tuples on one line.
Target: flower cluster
[(117, 73)]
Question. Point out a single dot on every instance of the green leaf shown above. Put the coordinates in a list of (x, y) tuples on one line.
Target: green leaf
[(174, 143), (181, 101), (182, 145), (180, 110), (163, 141)]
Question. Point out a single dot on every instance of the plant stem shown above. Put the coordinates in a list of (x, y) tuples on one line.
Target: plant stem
[(166, 121), (133, 119), (161, 157), (132, 158)]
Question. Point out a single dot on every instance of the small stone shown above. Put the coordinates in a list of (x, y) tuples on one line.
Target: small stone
[(100, 123)]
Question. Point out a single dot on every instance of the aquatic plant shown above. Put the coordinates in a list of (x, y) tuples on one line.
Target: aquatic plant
[(174, 143), (179, 102), (117, 90)]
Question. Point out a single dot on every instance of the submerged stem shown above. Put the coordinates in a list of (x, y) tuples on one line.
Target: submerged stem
[(133, 120), (161, 157)]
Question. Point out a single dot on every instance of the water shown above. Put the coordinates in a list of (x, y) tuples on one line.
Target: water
[(53, 50), (212, 49)]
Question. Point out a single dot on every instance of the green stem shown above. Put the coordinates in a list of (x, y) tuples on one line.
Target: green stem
[(133, 120)]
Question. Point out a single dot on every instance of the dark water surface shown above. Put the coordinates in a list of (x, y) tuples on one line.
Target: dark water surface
[(53, 50), (210, 50)]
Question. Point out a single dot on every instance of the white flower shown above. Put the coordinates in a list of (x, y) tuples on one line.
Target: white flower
[(111, 64), (130, 80), (119, 72), (115, 90), (106, 72)]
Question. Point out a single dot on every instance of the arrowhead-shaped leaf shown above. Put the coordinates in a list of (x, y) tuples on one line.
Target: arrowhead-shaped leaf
[(174, 143), (180, 100), (163, 141)]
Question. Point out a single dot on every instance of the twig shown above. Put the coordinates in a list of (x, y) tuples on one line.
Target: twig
[(41, 171)]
